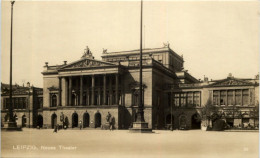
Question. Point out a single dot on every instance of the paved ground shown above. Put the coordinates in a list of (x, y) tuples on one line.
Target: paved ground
[(121, 143)]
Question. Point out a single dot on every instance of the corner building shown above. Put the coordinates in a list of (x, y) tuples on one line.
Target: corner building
[(27, 105)]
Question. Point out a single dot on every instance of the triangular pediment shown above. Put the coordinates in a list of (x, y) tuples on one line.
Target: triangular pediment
[(230, 82), (86, 63)]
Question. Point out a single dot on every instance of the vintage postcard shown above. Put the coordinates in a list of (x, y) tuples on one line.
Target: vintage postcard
[(130, 79)]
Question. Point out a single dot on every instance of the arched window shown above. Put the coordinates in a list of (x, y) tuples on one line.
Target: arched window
[(53, 100)]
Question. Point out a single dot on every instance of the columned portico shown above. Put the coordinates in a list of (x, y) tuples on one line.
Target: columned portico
[(89, 90)]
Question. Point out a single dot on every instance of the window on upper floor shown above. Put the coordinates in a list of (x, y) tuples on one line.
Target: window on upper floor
[(53, 100), (184, 99)]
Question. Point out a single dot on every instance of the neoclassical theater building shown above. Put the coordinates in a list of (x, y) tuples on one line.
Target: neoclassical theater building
[(86, 90)]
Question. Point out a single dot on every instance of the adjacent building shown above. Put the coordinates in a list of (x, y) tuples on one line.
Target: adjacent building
[(27, 105), (235, 100)]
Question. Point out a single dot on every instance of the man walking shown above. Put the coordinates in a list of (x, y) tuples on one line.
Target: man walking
[(80, 125)]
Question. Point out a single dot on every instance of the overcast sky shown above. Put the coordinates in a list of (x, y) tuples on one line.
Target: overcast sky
[(215, 38)]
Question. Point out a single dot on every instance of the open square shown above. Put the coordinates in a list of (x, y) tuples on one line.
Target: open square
[(121, 143)]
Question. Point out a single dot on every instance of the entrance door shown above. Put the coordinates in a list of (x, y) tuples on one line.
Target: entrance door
[(182, 122), (74, 120), (97, 120), (195, 121), (23, 121), (86, 120), (40, 121), (53, 120), (169, 120)]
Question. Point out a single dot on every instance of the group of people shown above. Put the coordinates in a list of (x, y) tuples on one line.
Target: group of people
[(110, 119)]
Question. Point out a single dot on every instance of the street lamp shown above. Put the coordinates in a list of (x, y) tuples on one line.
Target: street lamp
[(11, 124), (140, 125), (11, 118)]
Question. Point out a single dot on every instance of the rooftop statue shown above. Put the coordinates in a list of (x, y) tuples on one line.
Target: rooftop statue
[(104, 51)]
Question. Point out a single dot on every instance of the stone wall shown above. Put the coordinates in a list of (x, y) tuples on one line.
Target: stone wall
[(48, 81)]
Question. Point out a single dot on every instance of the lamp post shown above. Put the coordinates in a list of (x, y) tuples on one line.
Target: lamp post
[(140, 112), (11, 124), (140, 125), (11, 118)]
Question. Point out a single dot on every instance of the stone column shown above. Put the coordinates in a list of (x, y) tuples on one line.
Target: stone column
[(117, 99), (66, 91), (81, 91), (88, 97), (110, 91), (59, 100), (93, 90), (104, 90), (99, 90), (70, 90)]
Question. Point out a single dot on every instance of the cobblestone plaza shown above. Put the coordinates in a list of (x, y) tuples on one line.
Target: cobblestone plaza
[(121, 143)]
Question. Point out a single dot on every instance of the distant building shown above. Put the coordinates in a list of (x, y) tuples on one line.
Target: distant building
[(27, 104)]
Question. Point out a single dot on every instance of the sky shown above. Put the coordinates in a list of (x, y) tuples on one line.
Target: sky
[(215, 37)]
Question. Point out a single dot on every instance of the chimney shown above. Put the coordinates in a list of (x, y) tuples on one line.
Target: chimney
[(46, 64), (28, 84), (65, 62)]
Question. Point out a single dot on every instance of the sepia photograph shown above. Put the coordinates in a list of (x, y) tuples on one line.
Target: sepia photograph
[(130, 79)]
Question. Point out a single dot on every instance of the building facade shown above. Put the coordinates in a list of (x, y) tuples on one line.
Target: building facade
[(235, 100), (86, 90), (27, 105)]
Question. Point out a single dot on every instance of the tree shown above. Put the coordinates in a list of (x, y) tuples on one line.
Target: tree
[(207, 112)]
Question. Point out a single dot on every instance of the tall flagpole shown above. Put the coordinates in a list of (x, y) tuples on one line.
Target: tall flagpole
[(11, 125), (11, 118), (140, 112), (140, 125)]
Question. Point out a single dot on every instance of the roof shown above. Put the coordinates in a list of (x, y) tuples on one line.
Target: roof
[(18, 90)]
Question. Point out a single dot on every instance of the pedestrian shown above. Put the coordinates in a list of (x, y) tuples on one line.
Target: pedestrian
[(55, 129), (80, 125), (111, 123)]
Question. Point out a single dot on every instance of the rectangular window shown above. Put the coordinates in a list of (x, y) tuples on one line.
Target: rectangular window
[(223, 98), (196, 99), (238, 97), (183, 99), (230, 100), (215, 97), (190, 99), (245, 93), (176, 100)]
